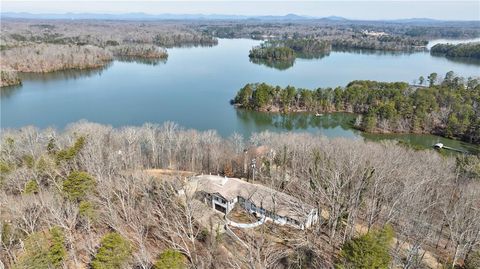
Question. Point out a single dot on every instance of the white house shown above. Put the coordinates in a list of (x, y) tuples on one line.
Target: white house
[(223, 193)]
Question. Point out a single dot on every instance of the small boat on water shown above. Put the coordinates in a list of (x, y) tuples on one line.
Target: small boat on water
[(442, 146), (318, 114), (438, 146)]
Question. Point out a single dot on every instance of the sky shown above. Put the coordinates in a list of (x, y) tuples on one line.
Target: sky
[(351, 9)]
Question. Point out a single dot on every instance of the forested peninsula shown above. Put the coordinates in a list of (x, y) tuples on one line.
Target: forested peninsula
[(466, 50), (41, 47), (449, 108)]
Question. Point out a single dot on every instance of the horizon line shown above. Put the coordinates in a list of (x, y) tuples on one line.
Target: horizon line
[(243, 16)]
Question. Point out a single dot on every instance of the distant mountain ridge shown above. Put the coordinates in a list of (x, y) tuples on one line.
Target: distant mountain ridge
[(145, 16), (168, 16)]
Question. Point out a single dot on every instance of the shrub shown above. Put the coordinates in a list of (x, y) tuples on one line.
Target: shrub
[(6, 167), (86, 209), (112, 43), (367, 251), (31, 187), (473, 260), (113, 253), (203, 235), (9, 234), (28, 161), (44, 166), (43, 250), (57, 250), (78, 185), (69, 153), (170, 259), (468, 166)]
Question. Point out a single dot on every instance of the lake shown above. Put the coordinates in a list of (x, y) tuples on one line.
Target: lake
[(194, 86)]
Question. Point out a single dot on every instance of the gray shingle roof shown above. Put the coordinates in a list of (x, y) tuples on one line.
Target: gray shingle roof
[(274, 201)]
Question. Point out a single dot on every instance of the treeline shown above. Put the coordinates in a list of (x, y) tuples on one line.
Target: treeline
[(9, 78), (43, 58), (79, 198), (306, 46), (139, 51), (281, 53), (278, 53), (449, 108), (184, 39), (341, 36), (31, 46), (101, 33), (447, 30), (47, 57), (465, 50), (328, 29), (288, 49), (381, 42)]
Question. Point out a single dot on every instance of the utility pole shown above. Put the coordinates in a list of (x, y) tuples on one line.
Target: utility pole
[(253, 165), (245, 162)]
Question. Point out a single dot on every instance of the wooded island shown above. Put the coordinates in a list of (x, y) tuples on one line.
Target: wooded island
[(449, 108), (288, 49)]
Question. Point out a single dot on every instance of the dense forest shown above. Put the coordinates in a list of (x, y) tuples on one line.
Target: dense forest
[(304, 48), (331, 29), (348, 34), (449, 108), (46, 46), (281, 53), (139, 51), (101, 33), (380, 42), (42, 58), (465, 50), (270, 52), (81, 198), (48, 57), (289, 49)]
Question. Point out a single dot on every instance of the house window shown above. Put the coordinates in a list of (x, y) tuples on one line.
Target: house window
[(220, 208)]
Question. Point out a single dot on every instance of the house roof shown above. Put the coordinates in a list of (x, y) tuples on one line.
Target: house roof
[(274, 201)]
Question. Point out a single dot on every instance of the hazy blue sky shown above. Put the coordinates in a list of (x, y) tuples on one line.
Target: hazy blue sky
[(353, 9)]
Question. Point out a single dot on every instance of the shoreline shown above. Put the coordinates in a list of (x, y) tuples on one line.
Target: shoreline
[(376, 131), (92, 67)]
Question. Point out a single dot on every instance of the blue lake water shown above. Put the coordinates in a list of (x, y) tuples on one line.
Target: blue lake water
[(194, 86)]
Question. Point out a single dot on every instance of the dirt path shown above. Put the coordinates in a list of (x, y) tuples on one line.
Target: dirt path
[(169, 172)]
